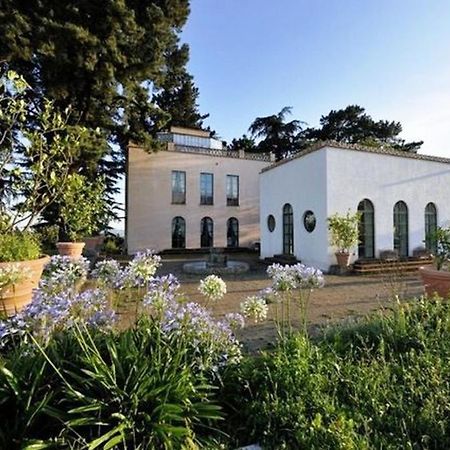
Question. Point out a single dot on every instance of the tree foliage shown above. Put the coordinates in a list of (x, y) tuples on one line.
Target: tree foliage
[(352, 125), (111, 61), (178, 95), (276, 135)]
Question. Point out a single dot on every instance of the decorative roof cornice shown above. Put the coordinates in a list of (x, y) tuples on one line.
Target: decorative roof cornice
[(360, 148)]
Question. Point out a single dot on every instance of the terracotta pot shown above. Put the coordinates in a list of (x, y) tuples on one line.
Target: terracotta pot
[(14, 297), (343, 259), (71, 249), (93, 243), (435, 281)]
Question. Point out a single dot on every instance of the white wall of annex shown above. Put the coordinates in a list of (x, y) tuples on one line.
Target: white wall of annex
[(302, 183), (385, 179)]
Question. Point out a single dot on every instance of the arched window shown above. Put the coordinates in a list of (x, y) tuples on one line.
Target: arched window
[(232, 232), (178, 232), (401, 228), (288, 230), (206, 232), (366, 245), (430, 227)]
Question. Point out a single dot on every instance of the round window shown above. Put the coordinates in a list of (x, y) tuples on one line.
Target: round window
[(271, 223), (309, 221)]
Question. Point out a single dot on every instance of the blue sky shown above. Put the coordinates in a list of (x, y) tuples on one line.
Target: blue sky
[(250, 58)]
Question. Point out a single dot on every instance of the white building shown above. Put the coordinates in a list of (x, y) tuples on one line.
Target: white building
[(192, 194), (402, 197)]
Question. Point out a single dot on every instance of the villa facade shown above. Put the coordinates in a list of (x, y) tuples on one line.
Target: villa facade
[(402, 198), (192, 194)]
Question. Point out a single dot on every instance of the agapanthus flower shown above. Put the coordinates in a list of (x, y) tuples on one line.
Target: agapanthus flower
[(143, 266), (235, 321), (255, 307), (107, 272), (160, 291), (213, 287), (297, 276), (63, 273)]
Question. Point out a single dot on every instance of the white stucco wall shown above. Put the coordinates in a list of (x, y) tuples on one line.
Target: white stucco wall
[(302, 183), (334, 180), (385, 179), (149, 198)]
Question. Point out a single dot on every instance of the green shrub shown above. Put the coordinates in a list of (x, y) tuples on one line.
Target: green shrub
[(18, 246), (383, 383), (132, 389)]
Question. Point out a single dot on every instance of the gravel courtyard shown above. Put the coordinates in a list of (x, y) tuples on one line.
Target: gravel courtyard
[(343, 297)]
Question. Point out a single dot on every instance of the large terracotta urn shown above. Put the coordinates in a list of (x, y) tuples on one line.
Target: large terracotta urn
[(15, 296), (71, 249), (343, 259), (435, 281)]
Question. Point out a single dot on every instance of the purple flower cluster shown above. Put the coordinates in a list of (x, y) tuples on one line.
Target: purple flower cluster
[(49, 312), (161, 290), (63, 273), (213, 340), (107, 272), (138, 273)]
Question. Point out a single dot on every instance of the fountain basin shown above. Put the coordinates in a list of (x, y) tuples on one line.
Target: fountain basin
[(207, 268)]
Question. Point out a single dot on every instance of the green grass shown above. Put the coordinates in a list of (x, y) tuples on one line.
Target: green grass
[(383, 383)]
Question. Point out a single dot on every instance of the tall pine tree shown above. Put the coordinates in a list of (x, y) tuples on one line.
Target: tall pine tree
[(105, 59), (178, 95)]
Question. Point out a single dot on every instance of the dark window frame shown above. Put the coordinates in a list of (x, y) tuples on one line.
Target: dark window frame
[(231, 200), (232, 232), (271, 223), (206, 225), (178, 198), (366, 229), (180, 241), (288, 229), (206, 198), (430, 227), (401, 228), (309, 225)]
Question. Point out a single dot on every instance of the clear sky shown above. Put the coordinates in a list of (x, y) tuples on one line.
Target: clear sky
[(250, 58)]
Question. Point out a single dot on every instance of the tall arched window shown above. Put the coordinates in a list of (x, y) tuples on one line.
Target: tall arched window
[(366, 246), (401, 228), (288, 230), (430, 227), (232, 232), (178, 232), (206, 232)]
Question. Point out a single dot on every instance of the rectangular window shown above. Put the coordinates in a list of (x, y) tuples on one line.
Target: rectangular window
[(232, 190), (178, 187), (206, 189)]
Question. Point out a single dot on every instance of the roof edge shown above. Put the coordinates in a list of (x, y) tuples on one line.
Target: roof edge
[(388, 151)]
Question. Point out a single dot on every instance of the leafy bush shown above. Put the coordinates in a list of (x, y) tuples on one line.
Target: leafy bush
[(87, 389), (383, 383), (344, 230), (72, 380), (18, 246), (82, 207)]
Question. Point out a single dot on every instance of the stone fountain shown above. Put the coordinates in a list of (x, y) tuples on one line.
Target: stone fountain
[(216, 263)]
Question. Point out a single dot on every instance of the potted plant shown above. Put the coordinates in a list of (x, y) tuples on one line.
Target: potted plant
[(344, 235), (80, 207), (21, 266), (437, 279)]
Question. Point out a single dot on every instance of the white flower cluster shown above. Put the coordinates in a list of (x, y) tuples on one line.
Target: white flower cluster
[(255, 308), (297, 276), (213, 287), (144, 265)]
